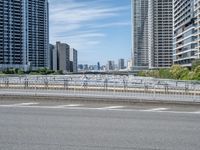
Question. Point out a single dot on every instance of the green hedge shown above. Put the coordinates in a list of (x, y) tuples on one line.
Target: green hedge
[(175, 72)]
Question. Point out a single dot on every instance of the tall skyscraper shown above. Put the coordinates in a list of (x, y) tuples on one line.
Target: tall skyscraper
[(24, 35), (38, 33), (140, 33), (12, 37), (160, 33), (185, 44)]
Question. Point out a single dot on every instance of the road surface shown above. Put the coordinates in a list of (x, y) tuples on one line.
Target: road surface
[(65, 125)]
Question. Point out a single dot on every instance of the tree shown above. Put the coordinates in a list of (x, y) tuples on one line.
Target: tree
[(196, 74), (142, 73), (165, 73), (176, 71), (195, 64), (185, 74)]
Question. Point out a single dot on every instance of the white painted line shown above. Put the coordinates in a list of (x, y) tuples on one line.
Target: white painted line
[(70, 105), (25, 104), (86, 108), (111, 107), (157, 109), (73, 105)]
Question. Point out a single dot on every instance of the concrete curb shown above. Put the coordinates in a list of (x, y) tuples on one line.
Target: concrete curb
[(94, 99)]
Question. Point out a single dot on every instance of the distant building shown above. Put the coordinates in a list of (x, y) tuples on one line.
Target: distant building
[(55, 59), (61, 60), (91, 68), (121, 64), (103, 68), (73, 60), (129, 65), (80, 67), (111, 65), (50, 56), (85, 67), (98, 66)]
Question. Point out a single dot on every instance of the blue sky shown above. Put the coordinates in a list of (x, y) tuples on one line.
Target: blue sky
[(99, 29)]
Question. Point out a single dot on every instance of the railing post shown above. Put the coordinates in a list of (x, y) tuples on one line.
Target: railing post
[(154, 92), (74, 86), (35, 88), (194, 98), (114, 88)]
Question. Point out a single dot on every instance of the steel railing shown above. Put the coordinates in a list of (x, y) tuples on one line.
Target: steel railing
[(126, 87)]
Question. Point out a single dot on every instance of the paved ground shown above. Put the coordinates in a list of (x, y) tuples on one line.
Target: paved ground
[(61, 125)]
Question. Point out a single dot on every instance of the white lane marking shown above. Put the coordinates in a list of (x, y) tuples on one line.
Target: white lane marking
[(25, 104), (111, 107), (157, 109), (19, 104), (87, 108), (73, 105), (70, 105)]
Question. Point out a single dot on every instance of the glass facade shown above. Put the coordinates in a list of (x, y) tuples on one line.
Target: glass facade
[(11, 34), (184, 33), (197, 27), (160, 33), (38, 33), (23, 33), (140, 33)]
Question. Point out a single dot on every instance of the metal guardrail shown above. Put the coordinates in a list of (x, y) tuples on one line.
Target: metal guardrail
[(126, 87)]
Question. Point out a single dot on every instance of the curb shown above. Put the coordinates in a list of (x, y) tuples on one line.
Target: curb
[(95, 99)]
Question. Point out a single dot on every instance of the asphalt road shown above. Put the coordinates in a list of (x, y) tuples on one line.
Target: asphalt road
[(45, 126)]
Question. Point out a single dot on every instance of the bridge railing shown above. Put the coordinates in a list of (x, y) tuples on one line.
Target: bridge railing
[(107, 87)]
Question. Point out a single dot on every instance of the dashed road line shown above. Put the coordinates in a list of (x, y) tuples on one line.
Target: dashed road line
[(25, 104), (111, 107), (19, 104), (157, 109), (70, 105)]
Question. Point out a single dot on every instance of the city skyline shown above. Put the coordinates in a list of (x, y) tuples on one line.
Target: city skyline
[(100, 30)]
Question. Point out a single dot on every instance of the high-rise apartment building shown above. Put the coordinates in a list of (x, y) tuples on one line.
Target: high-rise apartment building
[(38, 35), (197, 27), (24, 38), (51, 56), (140, 33), (185, 39), (73, 60), (160, 30), (12, 37), (63, 52)]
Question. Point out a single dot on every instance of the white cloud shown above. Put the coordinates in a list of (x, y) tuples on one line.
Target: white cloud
[(112, 24), (74, 22)]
